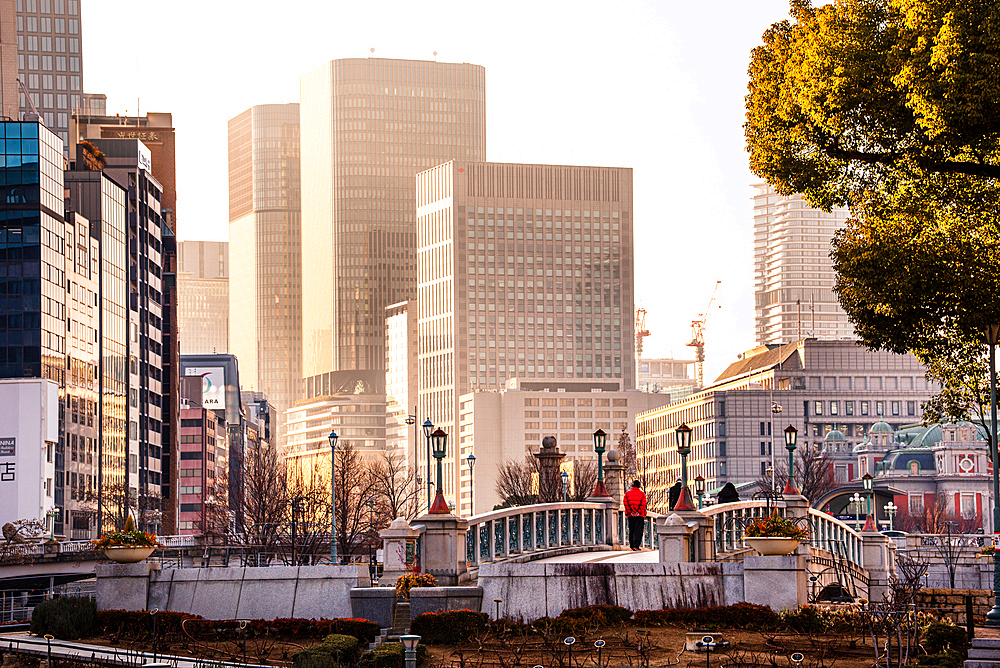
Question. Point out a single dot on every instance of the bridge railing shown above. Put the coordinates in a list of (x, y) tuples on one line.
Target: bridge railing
[(501, 534), (825, 531)]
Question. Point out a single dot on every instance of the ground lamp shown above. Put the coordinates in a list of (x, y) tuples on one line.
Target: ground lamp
[(600, 444), (699, 489), (332, 437), (428, 427), (565, 482), (791, 435), (856, 499), (890, 510), (869, 483), (992, 335), (471, 460), (439, 448), (410, 650), (682, 435)]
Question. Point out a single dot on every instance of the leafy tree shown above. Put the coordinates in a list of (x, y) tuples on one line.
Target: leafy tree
[(892, 107)]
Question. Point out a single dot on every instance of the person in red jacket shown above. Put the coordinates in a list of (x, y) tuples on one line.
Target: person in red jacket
[(635, 511)]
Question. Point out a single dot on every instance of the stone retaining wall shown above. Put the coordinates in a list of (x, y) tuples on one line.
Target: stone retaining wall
[(529, 591), (952, 602)]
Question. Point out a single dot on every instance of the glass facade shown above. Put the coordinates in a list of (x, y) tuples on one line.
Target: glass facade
[(265, 293), (368, 126)]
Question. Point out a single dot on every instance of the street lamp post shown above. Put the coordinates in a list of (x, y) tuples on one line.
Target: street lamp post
[(682, 435), (791, 435), (869, 483), (992, 335), (471, 459), (775, 410), (428, 427), (600, 444), (439, 446), (565, 483), (372, 566), (699, 489), (411, 421), (857, 498), (332, 437), (890, 510)]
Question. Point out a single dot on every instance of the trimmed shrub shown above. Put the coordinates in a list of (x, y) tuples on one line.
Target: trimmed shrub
[(66, 618), (938, 637), (335, 648), (340, 647), (390, 655), (130, 623), (450, 627), (806, 619), (949, 658), (603, 614), (745, 616), (139, 623)]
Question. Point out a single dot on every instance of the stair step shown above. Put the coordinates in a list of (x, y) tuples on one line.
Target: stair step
[(987, 653), (986, 643), (979, 663)]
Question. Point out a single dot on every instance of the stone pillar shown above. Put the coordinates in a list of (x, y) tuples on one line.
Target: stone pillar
[(395, 540), (673, 535), (444, 548), (689, 534), (777, 582), (613, 476), (796, 507), (879, 560), (124, 586), (549, 478)]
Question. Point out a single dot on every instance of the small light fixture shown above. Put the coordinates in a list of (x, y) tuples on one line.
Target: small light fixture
[(409, 642), (791, 436), (439, 443), (600, 441), (428, 428), (682, 435), (332, 437), (699, 485)]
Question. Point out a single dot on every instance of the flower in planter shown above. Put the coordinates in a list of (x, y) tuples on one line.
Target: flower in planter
[(775, 526), (127, 537), (987, 551)]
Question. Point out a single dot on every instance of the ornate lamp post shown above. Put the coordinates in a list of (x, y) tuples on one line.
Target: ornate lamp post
[(699, 489), (856, 499), (439, 447), (683, 439), (411, 421), (600, 443), (471, 459), (869, 483), (992, 336), (565, 482), (372, 566), (333, 496), (791, 434), (775, 410), (428, 427), (890, 510)]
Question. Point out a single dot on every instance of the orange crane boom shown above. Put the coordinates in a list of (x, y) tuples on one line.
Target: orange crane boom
[(698, 337)]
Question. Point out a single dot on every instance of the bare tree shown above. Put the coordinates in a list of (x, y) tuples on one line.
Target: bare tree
[(309, 516), (516, 482), (395, 485), (355, 484), (814, 474), (935, 518), (581, 484), (265, 495), (627, 449), (119, 501)]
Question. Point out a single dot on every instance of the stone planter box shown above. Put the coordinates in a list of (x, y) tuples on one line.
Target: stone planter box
[(376, 604), (772, 546)]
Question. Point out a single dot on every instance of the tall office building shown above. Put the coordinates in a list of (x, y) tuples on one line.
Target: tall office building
[(793, 272), (128, 162), (103, 201), (368, 126), (401, 381), (10, 96), (49, 60), (265, 245), (203, 297), (524, 271)]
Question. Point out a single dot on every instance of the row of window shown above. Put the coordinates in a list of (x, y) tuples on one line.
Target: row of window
[(864, 407)]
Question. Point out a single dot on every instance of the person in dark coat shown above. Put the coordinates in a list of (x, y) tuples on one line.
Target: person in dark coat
[(728, 493), (674, 494)]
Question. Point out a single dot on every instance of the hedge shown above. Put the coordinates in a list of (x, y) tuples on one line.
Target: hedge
[(745, 616), (390, 655), (450, 627), (334, 648), (139, 623), (603, 614), (66, 618)]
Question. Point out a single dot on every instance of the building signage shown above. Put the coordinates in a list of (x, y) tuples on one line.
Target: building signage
[(7, 444), (213, 385)]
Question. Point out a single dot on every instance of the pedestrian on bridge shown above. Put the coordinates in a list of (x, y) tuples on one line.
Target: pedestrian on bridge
[(635, 511)]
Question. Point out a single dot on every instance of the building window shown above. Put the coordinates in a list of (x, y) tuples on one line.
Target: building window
[(879, 408), (895, 407), (916, 505), (763, 449), (864, 408), (763, 468), (722, 448), (968, 506), (817, 408), (834, 408), (914, 468), (763, 429), (911, 407), (722, 468), (848, 408)]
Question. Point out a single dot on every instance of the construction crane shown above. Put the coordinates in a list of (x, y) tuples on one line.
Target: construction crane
[(640, 333), (698, 338), (33, 115)]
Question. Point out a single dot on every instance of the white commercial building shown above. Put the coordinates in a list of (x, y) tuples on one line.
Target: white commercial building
[(29, 432), (502, 425)]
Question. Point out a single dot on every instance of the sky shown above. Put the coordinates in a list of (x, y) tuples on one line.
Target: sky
[(657, 86)]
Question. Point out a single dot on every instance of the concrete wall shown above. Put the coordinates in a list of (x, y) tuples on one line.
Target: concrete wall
[(530, 591), (309, 592)]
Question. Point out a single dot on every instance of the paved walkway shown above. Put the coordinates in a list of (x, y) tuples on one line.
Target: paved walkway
[(609, 556), (24, 642)]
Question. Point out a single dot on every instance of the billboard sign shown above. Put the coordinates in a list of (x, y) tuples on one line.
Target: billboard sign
[(213, 385)]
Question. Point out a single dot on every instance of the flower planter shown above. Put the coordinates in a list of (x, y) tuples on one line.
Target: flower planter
[(772, 546), (125, 554)]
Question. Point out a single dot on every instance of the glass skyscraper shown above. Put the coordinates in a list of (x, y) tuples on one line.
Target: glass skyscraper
[(368, 126)]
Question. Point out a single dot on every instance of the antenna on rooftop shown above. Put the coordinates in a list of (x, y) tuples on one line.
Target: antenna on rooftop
[(372, 50), (435, 56)]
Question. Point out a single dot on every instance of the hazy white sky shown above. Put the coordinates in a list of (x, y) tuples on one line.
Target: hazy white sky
[(656, 86)]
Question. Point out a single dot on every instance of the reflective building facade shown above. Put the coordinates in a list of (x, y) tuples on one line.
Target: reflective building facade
[(265, 297), (368, 126)]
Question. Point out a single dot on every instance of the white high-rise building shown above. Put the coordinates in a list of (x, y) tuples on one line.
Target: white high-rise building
[(793, 272)]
